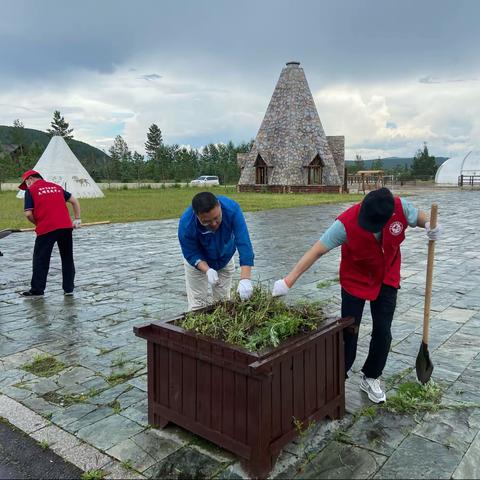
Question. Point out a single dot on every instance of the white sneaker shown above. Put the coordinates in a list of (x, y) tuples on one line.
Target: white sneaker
[(373, 389)]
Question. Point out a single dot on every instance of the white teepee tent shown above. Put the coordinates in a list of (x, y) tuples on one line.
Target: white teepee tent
[(58, 164)]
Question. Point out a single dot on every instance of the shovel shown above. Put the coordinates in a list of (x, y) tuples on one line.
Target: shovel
[(423, 364)]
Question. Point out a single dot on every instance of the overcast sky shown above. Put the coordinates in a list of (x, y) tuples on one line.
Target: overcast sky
[(387, 74)]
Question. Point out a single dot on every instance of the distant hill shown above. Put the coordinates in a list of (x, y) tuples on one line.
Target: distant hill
[(91, 158), (391, 162)]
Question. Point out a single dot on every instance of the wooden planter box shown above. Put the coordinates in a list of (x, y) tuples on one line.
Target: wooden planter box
[(244, 402)]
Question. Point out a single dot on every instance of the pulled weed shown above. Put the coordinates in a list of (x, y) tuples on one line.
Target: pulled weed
[(256, 324), (412, 398)]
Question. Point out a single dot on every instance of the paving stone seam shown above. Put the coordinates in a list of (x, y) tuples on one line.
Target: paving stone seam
[(15, 413)]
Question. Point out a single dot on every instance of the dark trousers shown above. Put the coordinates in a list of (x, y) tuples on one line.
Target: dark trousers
[(42, 253), (382, 310)]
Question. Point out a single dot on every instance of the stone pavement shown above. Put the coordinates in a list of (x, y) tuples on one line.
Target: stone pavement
[(93, 411)]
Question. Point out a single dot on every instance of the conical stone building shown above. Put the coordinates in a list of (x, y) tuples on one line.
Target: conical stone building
[(291, 152)]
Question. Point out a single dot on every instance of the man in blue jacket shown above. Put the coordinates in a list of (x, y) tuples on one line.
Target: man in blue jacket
[(210, 231)]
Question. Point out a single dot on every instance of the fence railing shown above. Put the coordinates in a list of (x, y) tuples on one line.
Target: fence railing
[(469, 181)]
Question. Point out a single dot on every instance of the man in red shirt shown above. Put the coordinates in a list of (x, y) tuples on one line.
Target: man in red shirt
[(370, 234), (45, 207)]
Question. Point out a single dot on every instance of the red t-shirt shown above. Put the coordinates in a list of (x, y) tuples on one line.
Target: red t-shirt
[(47, 202)]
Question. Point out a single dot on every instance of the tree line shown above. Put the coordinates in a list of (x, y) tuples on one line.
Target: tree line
[(161, 163), (169, 163), (423, 166)]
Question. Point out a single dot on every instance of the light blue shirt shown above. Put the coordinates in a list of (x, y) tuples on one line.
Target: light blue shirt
[(336, 234)]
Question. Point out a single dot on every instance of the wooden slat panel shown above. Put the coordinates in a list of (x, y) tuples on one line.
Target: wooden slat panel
[(254, 406), (163, 375), (240, 407), (189, 381), (217, 389), (321, 372), (151, 383), (204, 383), (310, 380), (276, 405), (336, 366), (228, 399), (298, 386), (286, 368), (330, 361), (175, 376)]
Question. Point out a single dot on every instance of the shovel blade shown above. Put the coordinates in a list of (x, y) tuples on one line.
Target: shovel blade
[(423, 364)]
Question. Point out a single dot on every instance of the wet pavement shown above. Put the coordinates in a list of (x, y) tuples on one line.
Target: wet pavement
[(93, 412)]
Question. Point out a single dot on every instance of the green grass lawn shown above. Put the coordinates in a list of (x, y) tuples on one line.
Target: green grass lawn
[(154, 204)]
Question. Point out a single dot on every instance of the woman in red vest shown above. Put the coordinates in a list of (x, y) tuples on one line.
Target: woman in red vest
[(370, 234), (45, 207)]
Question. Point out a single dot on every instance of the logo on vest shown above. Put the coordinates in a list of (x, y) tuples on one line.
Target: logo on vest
[(396, 228)]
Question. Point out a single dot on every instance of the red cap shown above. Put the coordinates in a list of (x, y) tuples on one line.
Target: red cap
[(27, 174)]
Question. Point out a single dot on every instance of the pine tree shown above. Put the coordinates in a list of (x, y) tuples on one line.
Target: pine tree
[(424, 164), (121, 158), (19, 134), (60, 127), (154, 140)]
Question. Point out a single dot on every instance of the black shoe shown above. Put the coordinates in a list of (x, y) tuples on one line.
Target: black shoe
[(68, 294), (30, 294)]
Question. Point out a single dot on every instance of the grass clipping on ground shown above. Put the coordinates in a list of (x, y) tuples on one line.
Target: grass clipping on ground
[(256, 324)]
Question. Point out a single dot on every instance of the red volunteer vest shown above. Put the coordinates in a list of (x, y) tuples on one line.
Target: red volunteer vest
[(367, 263), (49, 207)]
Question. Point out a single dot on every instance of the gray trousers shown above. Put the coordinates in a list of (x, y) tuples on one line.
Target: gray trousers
[(197, 285)]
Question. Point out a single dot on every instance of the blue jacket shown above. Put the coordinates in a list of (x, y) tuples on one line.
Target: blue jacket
[(216, 248)]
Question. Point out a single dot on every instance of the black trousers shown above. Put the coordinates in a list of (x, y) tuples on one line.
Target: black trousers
[(42, 253), (382, 310)]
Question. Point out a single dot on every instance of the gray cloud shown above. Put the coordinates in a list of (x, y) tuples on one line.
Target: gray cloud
[(334, 40), (220, 60), (151, 77)]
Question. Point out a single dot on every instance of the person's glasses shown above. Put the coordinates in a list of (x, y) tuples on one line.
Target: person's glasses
[(213, 221)]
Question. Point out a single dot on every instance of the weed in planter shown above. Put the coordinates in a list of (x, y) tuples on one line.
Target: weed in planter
[(44, 366), (259, 323)]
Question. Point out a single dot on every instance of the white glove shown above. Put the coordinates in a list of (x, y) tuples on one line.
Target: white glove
[(212, 276), (77, 223), (245, 289), (280, 288), (433, 233)]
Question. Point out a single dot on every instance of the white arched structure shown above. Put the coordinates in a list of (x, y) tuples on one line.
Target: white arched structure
[(449, 171)]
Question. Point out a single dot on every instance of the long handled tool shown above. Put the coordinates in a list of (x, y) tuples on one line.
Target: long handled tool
[(423, 364), (104, 222)]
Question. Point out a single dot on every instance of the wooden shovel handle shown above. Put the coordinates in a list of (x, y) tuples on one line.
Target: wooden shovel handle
[(428, 285), (83, 225)]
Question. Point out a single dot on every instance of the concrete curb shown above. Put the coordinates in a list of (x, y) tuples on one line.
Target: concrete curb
[(64, 444)]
